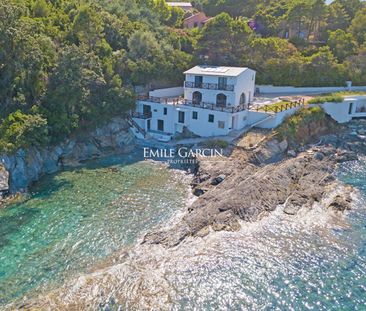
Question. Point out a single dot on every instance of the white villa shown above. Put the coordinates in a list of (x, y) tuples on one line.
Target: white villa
[(215, 101), (218, 101)]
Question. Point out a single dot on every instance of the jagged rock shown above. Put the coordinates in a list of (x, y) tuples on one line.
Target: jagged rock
[(198, 192), (291, 209), (4, 181), (215, 181), (225, 221), (345, 155), (291, 153), (254, 191), (341, 203), (26, 166), (283, 145), (319, 156)]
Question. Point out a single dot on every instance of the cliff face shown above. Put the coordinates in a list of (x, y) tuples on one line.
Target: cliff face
[(24, 167)]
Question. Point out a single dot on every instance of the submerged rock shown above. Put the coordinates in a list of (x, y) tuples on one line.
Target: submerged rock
[(215, 181), (341, 203)]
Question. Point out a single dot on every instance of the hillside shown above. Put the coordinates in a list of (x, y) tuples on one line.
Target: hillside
[(68, 65)]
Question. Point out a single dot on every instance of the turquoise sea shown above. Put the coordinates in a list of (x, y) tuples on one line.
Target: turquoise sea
[(77, 218)]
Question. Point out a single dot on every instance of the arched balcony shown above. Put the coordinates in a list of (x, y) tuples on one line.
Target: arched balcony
[(197, 98), (221, 100)]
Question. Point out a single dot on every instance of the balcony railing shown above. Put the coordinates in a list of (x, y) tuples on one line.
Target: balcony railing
[(140, 115), (209, 86), (160, 100), (185, 102), (211, 106)]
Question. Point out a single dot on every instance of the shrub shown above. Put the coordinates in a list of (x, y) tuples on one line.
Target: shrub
[(215, 143), (333, 98), (302, 119), (23, 130)]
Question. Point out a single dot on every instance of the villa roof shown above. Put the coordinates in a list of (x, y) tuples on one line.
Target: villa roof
[(216, 71), (179, 4)]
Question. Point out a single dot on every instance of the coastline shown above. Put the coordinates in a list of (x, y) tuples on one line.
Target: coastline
[(318, 186)]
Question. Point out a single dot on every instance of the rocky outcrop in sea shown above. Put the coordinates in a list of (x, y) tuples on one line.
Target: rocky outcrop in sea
[(252, 183), (19, 170)]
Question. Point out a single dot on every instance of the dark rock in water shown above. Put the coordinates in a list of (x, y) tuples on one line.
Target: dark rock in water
[(319, 156), (251, 192), (345, 155), (341, 203), (215, 181), (198, 192)]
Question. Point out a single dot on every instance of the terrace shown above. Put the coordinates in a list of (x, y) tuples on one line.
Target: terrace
[(190, 103), (209, 86), (278, 105)]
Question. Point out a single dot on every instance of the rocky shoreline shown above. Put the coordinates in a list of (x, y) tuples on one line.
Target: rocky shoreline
[(253, 182), (232, 192), (19, 170)]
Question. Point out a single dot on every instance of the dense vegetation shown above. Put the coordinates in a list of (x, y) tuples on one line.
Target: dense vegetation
[(302, 126), (68, 65)]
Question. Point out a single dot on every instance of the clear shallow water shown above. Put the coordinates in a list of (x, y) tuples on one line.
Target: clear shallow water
[(315, 260), (77, 217)]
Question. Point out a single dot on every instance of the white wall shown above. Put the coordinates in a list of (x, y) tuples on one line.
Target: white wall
[(338, 111), (168, 92), (270, 89), (244, 83), (201, 126), (209, 96), (279, 118), (157, 112)]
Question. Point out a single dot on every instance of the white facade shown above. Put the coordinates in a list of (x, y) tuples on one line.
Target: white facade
[(215, 101), (351, 108)]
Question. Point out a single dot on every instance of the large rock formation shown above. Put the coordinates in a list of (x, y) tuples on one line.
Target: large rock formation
[(252, 189), (26, 166)]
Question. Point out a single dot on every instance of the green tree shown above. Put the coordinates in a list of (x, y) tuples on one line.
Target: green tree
[(358, 26), (40, 8), (356, 67), (224, 40), (143, 44), (338, 17), (342, 44), (23, 130), (87, 26)]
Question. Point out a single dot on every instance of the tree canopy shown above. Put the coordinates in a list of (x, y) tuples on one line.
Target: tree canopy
[(69, 65)]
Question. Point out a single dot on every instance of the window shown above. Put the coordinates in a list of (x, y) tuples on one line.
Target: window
[(221, 100), (197, 98), (161, 125), (242, 99), (350, 108), (194, 115), (222, 83), (181, 116), (198, 81), (165, 111), (211, 118), (221, 124), (146, 109)]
